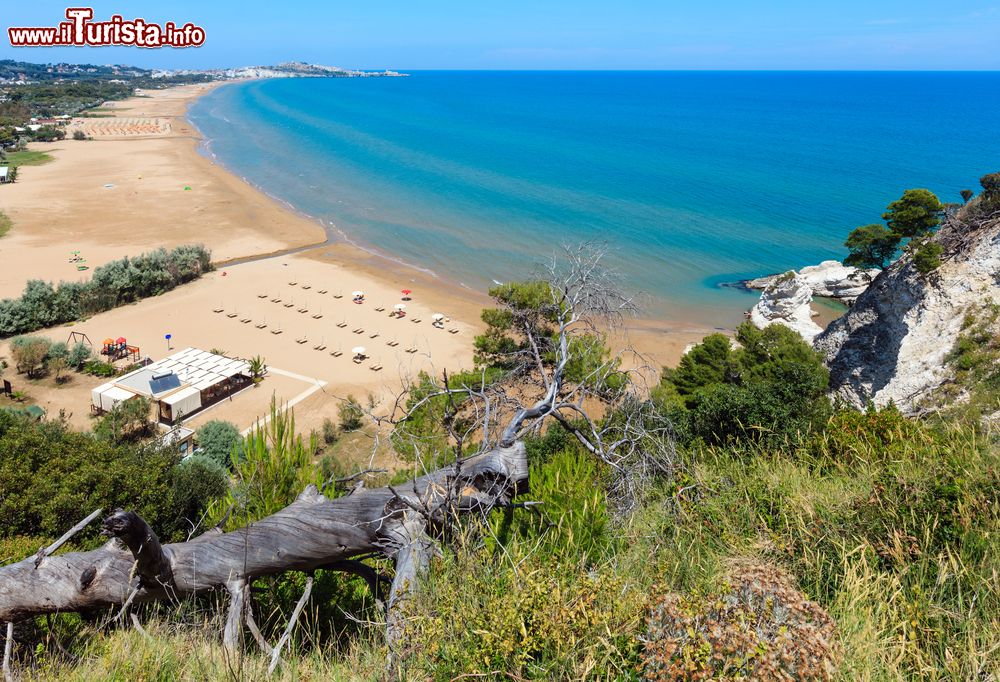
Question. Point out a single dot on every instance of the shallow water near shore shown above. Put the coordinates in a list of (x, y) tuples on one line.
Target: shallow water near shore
[(694, 179)]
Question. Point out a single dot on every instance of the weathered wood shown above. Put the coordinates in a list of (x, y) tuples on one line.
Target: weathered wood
[(42, 553), (276, 652), (8, 647), (313, 532)]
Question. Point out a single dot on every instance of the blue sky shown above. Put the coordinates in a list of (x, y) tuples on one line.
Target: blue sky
[(544, 34)]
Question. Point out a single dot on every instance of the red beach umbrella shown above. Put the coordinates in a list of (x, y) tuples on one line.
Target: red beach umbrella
[(120, 339), (406, 293)]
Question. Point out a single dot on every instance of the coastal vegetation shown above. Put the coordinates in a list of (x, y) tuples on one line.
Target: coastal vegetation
[(859, 544), (117, 283), (913, 216), (5, 224)]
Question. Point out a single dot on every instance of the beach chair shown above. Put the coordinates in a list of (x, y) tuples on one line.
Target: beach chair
[(289, 304), (342, 324), (245, 320), (359, 330), (261, 325), (232, 314), (415, 320), (276, 299), (338, 295), (320, 346), (276, 330), (219, 309), (261, 295), (373, 336), (337, 353), (301, 340), (307, 286), (411, 349), (392, 343), (292, 284), (321, 291), (317, 316), (380, 309), (303, 310), (453, 330)]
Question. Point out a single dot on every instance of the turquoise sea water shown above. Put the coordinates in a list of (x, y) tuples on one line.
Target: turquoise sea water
[(695, 179)]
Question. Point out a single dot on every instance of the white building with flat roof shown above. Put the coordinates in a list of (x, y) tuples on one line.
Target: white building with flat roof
[(180, 384)]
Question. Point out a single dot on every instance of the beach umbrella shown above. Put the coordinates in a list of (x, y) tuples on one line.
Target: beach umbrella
[(437, 317), (406, 293), (120, 339), (356, 294), (358, 350), (399, 306), (108, 341)]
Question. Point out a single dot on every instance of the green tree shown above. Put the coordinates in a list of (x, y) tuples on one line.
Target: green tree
[(991, 187), (29, 353), (712, 361), (79, 354), (53, 476), (966, 195), (914, 214), (871, 246), (258, 368), (128, 421), (220, 441)]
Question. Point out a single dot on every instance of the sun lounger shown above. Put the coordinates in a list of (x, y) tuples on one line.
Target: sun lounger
[(261, 295), (276, 300), (392, 343), (411, 349), (301, 341), (276, 331), (380, 309), (373, 336), (245, 320), (319, 346), (338, 295), (317, 316), (341, 324), (375, 368), (292, 284), (218, 310), (358, 361), (337, 353), (261, 325), (321, 291), (303, 310), (289, 304), (231, 315), (359, 330), (306, 286), (416, 320), (453, 330)]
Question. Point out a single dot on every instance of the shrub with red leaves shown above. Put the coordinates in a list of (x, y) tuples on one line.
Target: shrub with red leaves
[(757, 626)]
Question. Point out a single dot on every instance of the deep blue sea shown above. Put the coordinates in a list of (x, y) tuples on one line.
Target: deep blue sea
[(694, 178)]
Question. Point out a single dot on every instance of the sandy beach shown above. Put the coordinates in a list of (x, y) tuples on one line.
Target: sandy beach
[(141, 183)]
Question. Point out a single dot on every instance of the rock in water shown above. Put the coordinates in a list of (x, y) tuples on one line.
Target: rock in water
[(786, 301), (830, 279), (893, 343)]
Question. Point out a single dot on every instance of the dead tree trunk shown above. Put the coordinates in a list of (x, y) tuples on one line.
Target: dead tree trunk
[(313, 532)]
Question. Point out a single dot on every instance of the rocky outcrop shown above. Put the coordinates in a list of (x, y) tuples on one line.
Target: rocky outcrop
[(786, 301), (830, 279), (893, 343)]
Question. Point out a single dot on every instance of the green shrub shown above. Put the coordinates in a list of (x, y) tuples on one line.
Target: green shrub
[(220, 441), (330, 433), (351, 414), (927, 257)]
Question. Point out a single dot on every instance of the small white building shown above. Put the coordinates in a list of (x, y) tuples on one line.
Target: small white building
[(181, 384), (4, 174)]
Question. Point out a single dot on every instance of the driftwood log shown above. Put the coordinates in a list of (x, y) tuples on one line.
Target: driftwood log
[(314, 532)]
